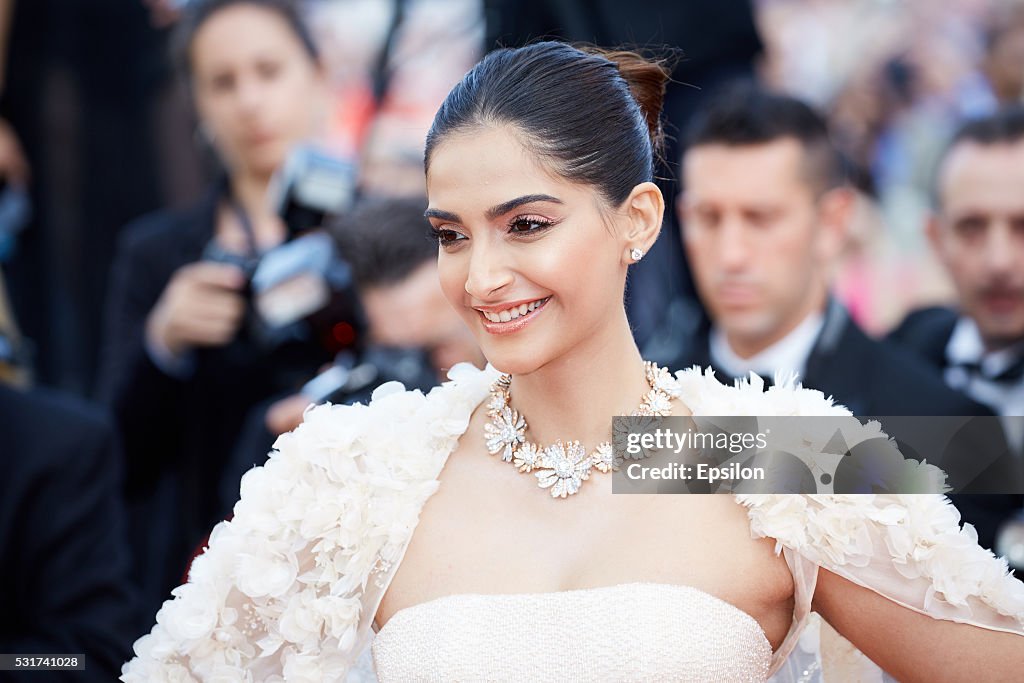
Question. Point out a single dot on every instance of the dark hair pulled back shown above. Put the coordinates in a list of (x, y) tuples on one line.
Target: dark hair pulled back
[(197, 12), (594, 115)]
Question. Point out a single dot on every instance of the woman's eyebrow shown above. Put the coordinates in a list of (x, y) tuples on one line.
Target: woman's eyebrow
[(442, 215), (494, 211), (511, 204)]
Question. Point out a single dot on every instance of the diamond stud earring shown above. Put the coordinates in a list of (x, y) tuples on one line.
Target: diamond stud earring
[(636, 254)]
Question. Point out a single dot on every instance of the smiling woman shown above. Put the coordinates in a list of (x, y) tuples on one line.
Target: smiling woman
[(510, 252), (401, 523), (554, 192)]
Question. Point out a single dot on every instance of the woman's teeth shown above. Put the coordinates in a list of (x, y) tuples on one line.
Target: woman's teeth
[(513, 313)]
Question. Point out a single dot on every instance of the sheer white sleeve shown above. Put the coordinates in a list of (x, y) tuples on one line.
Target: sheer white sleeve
[(910, 549)]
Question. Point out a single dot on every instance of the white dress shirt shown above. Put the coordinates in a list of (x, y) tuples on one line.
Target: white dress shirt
[(788, 355), (965, 347)]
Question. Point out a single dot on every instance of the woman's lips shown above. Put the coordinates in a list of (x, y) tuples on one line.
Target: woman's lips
[(260, 138), (512, 325)]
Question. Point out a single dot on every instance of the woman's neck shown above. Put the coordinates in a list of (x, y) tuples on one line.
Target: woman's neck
[(250, 192), (576, 396)]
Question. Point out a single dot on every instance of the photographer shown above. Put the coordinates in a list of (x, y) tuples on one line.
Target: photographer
[(183, 362)]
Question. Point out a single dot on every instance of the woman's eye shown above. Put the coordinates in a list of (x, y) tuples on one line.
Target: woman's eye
[(268, 70), (446, 236), (526, 225), (222, 82)]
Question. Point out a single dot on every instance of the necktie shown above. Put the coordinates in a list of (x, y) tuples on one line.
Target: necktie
[(1013, 373)]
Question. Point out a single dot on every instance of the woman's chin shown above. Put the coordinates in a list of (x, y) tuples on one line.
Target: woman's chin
[(514, 363)]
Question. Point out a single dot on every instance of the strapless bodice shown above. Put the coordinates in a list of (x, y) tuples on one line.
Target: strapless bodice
[(628, 632)]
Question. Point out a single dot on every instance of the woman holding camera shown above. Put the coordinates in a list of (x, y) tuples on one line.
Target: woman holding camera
[(181, 366)]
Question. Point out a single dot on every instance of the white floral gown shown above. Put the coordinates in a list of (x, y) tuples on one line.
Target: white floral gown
[(287, 590)]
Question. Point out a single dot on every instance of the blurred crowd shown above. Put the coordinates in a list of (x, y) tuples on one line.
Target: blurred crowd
[(895, 79), (211, 216)]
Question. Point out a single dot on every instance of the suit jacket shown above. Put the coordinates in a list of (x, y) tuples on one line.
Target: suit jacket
[(64, 574), (178, 433), (868, 376), (926, 332)]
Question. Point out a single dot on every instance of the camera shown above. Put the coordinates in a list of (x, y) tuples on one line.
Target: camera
[(349, 381), (303, 287)]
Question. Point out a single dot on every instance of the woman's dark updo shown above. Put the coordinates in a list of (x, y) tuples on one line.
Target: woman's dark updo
[(197, 12), (592, 115)]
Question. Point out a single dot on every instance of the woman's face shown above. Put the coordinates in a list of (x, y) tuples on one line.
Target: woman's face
[(527, 258), (258, 91)]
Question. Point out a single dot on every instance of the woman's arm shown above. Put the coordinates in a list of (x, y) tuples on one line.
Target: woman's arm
[(912, 646)]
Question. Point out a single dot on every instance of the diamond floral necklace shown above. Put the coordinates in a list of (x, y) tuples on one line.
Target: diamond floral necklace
[(563, 466)]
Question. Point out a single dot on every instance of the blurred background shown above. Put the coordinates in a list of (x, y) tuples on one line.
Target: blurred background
[(123, 166), (91, 101)]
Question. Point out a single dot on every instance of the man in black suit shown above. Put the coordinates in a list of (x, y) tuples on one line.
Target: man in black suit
[(764, 215), (64, 563), (977, 230), (64, 578)]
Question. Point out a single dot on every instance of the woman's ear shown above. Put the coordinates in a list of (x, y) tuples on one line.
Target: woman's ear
[(645, 209)]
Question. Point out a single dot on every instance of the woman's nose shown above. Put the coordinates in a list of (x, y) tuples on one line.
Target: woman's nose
[(250, 95), (488, 274)]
